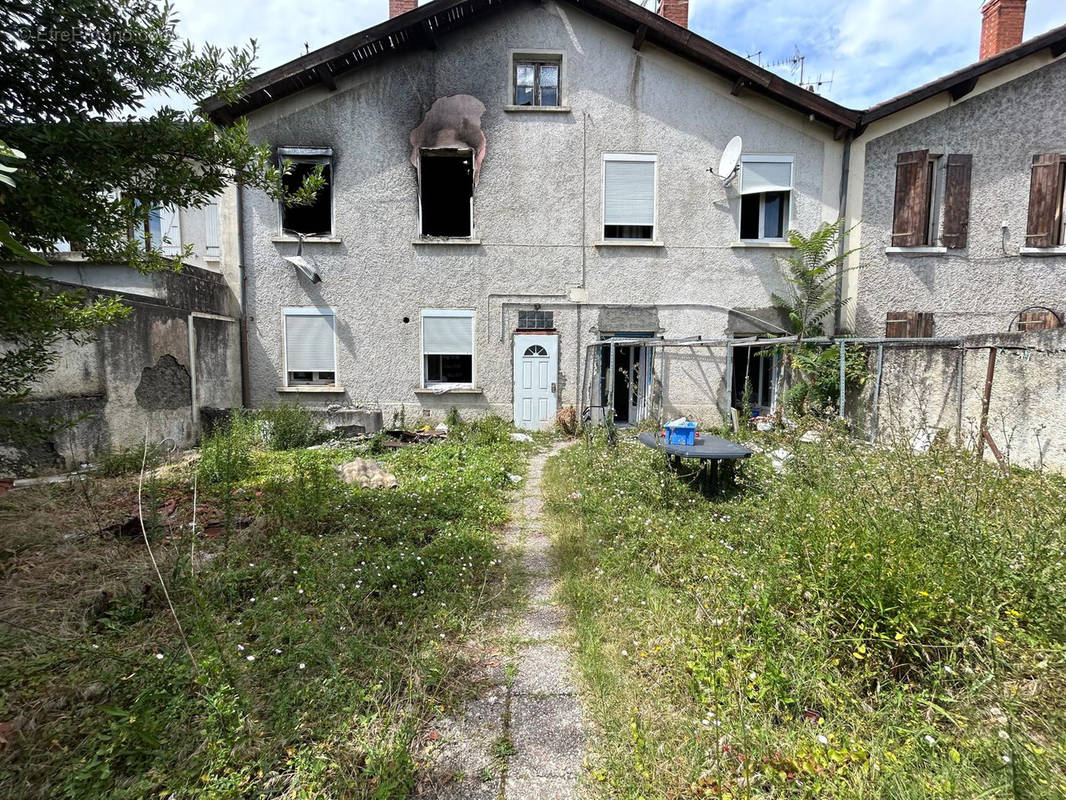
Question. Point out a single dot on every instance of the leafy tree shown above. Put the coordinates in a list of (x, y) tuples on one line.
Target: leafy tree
[(93, 159)]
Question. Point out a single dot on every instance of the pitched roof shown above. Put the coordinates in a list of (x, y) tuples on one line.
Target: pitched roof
[(420, 28), (961, 82)]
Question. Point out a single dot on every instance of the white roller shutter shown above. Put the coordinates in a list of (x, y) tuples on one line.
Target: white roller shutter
[(628, 192), (212, 231), (309, 341), (448, 333), (765, 176)]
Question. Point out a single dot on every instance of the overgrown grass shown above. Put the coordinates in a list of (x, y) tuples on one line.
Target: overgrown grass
[(869, 624), (322, 632)]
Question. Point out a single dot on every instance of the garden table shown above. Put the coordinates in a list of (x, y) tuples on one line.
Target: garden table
[(709, 450)]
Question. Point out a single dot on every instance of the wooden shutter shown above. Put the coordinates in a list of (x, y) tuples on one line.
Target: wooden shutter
[(1037, 321), (910, 218), (1045, 201), (957, 201), (908, 325)]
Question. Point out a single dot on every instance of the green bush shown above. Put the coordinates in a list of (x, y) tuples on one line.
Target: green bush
[(226, 455), (310, 498), (289, 426), (127, 461)]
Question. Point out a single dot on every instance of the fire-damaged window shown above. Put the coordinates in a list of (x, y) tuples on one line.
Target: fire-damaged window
[(765, 197), (629, 196), (447, 347), (446, 192), (297, 163), (536, 80), (536, 320), (310, 346), (755, 373)]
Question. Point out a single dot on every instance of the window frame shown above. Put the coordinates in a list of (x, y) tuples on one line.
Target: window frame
[(551, 57), (464, 313), (789, 216), (643, 157), (455, 152), (307, 311), (308, 155)]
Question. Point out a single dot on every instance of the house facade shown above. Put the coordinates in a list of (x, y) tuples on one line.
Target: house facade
[(509, 192)]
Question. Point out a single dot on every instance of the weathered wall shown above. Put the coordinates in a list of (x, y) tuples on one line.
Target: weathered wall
[(538, 211), (920, 395), (982, 287), (140, 373)]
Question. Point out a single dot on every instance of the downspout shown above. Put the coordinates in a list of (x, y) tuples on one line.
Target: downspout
[(246, 388), (584, 224), (845, 169)]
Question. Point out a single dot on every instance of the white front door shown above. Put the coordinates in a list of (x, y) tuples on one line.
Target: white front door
[(536, 371)]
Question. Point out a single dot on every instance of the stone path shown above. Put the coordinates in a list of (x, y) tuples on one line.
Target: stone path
[(522, 738)]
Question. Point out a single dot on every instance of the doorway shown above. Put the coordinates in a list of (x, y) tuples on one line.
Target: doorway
[(755, 367), (536, 374), (632, 380)]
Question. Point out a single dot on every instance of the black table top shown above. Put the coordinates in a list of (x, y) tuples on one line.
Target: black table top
[(706, 447)]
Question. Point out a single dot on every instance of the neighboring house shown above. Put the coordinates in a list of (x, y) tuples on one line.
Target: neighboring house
[(512, 182), (959, 187)]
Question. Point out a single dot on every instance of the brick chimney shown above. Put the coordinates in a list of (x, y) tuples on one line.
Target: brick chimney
[(675, 10), (1002, 26), (397, 7)]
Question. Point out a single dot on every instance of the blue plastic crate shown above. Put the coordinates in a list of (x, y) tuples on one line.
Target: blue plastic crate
[(681, 433)]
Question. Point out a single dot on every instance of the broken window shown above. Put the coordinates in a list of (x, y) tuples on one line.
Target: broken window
[(447, 347), (629, 196), (765, 197), (310, 346), (536, 80), (297, 163), (446, 192), (536, 320)]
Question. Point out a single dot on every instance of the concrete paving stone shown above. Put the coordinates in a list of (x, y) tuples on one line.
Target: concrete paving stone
[(465, 744), (541, 590), (534, 788), (536, 562), (547, 737), (469, 787), (543, 669), (542, 622)]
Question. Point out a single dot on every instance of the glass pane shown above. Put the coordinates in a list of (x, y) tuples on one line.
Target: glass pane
[(749, 216), (774, 215), (524, 74), (549, 96), (523, 96), (549, 75)]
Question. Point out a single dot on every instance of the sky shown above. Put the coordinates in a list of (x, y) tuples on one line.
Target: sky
[(871, 49)]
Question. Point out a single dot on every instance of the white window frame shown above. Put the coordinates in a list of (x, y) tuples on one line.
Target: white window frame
[(473, 193), (323, 155), (654, 158), (790, 216), (446, 312), (539, 57), (306, 311)]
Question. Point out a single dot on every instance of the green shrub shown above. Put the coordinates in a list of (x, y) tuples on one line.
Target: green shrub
[(226, 455), (289, 426), (310, 498), (127, 461)]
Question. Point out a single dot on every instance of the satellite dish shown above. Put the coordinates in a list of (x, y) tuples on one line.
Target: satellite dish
[(730, 160), (303, 266)]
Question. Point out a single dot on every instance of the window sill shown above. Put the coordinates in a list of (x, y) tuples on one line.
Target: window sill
[(449, 240), (770, 243), (1040, 252), (629, 243), (916, 251), (534, 109), (457, 390), (312, 389), (306, 240)]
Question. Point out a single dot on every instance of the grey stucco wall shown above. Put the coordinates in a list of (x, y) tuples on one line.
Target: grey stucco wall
[(980, 288), (139, 374), (538, 212)]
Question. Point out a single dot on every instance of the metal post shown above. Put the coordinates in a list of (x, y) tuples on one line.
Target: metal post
[(877, 392), (986, 399), (610, 390), (842, 398), (958, 398), (728, 381)]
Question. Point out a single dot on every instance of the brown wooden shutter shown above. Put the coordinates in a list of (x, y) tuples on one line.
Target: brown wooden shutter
[(1037, 321), (910, 218), (1045, 201), (957, 200), (908, 324)]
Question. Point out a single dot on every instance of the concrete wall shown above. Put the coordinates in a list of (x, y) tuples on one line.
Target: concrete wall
[(174, 359), (921, 395), (982, 287), (538, 212)]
